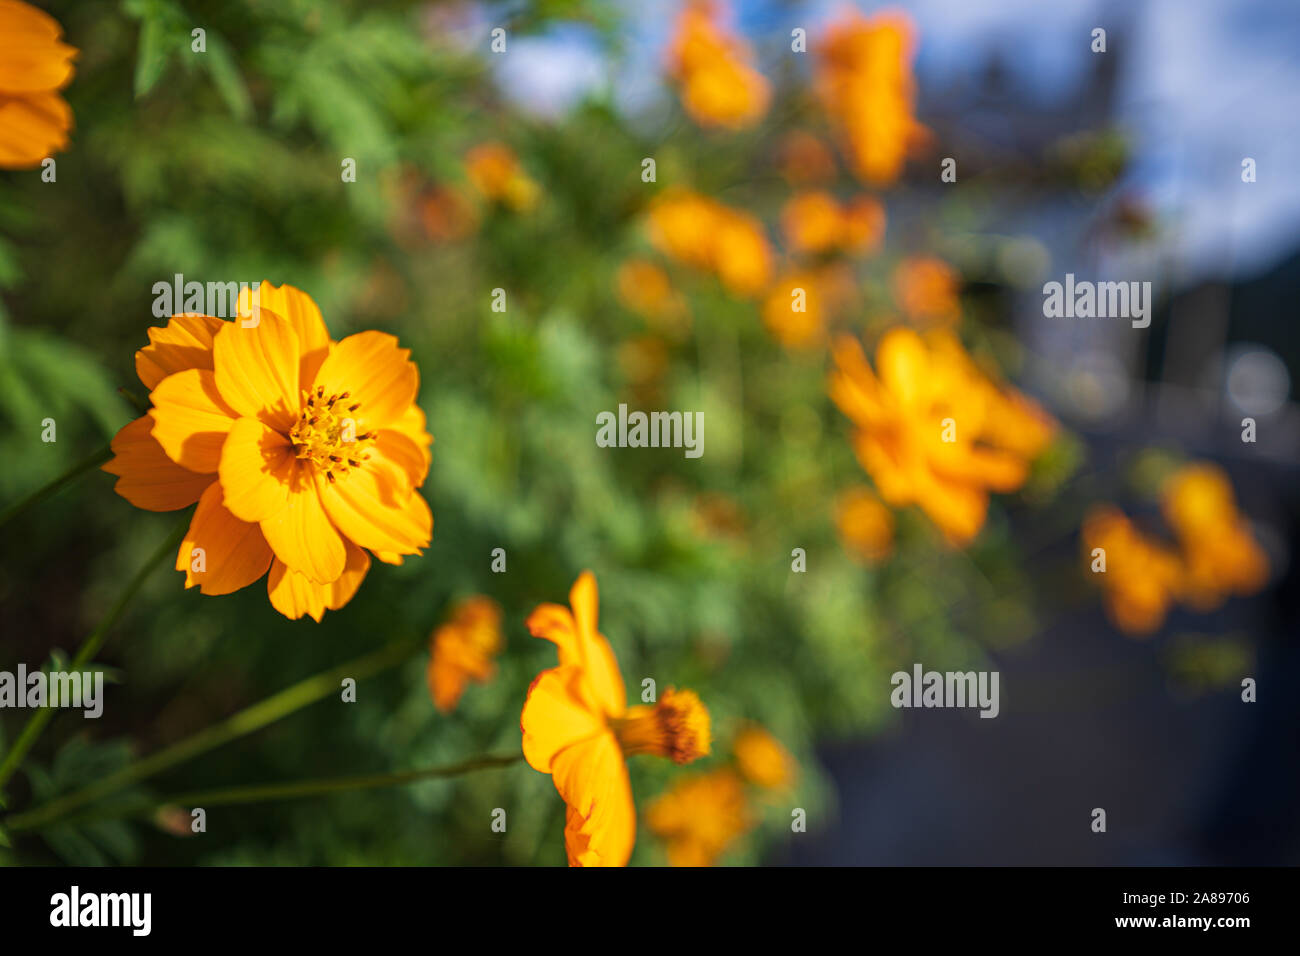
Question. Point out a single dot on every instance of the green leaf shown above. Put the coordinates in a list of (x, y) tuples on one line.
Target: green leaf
[(152, 57)]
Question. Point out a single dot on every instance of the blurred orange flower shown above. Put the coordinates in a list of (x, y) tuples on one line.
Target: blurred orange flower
[(933, 430), (712, 68), (494, 170), (762, 760), (795, 310), (703, 233), (864, 80), (1142, 577), (464, 649), (804, 159), (578, 728), (865, 525), (447, 214), (700, 816), (864, 226), (646, 289), (927, 289), (814, 222), (34, 65), (1220, 554), (302, 452)]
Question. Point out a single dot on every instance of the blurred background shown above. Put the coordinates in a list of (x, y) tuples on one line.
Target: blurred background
[(523, 170)]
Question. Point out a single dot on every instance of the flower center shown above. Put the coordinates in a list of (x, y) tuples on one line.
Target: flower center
[(676, 727), (326, 434)]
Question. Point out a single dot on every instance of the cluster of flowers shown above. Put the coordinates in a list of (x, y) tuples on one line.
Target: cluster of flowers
[(1215, 553)]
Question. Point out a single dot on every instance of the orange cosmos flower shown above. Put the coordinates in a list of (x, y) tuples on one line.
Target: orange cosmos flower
[(1141, 578), (707, 235), (1219, 552), (495, 172), (464, 649), (646, 289), (865, 525), (762, 760), (864, 226), (864, 79), (803, 159), (578, 728), (812, 222), (927, 290), (795, 311), (700, 817), (934, 431), (718, 86), (303, 453), (34, 65)]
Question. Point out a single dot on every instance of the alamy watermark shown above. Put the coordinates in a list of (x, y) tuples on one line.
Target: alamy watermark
[(40, 688), (653, 430), (1098, 300), (217, 299), (923, 688)]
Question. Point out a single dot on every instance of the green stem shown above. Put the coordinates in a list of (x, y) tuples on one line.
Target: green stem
[(69, 476), (244, 722), (89, 648), (293, 790)]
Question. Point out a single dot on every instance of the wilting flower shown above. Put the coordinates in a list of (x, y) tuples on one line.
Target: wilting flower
[(804, 159), (1220, 555), (933, 430), (762, 760), (1142, 577), (864, 79), (303, 453), (701, 816), (578, 728), (712, 68), (927, 289), (495, 172), (865, 525), (707, 235), (34, 65), (464, 649)]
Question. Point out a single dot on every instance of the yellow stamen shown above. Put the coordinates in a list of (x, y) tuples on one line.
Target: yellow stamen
[(676, 727)]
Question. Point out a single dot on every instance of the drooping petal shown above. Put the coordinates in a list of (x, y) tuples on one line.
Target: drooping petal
[(374, 371), (300, 311), (191, 420), (184, 342), (596, 654), (257, 369), (374, 512), (293, 594), (300, 533), (32, 127), (220, 553), (257, 464), (558, 713), (600, 825), (146, 476)]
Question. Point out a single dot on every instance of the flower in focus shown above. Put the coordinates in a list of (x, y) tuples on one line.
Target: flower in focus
[(464, 649), (762, 760), (35, 64), (712, 68), (705, 234), (494, 171), (865, 525), (578, 728), (804, 159), (927, 289), (1220, 555), (933, 430), (864, 80), (303, 453), (1141, 578), (700, 817)]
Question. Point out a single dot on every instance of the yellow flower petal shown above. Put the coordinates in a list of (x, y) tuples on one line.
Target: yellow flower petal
[(257, 463), (375, 513), (300, 311), (374, 371), (301, 535), (257, 369), (293, 594), (184, 342), (191, 420), (233, 553), (146, 476)]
